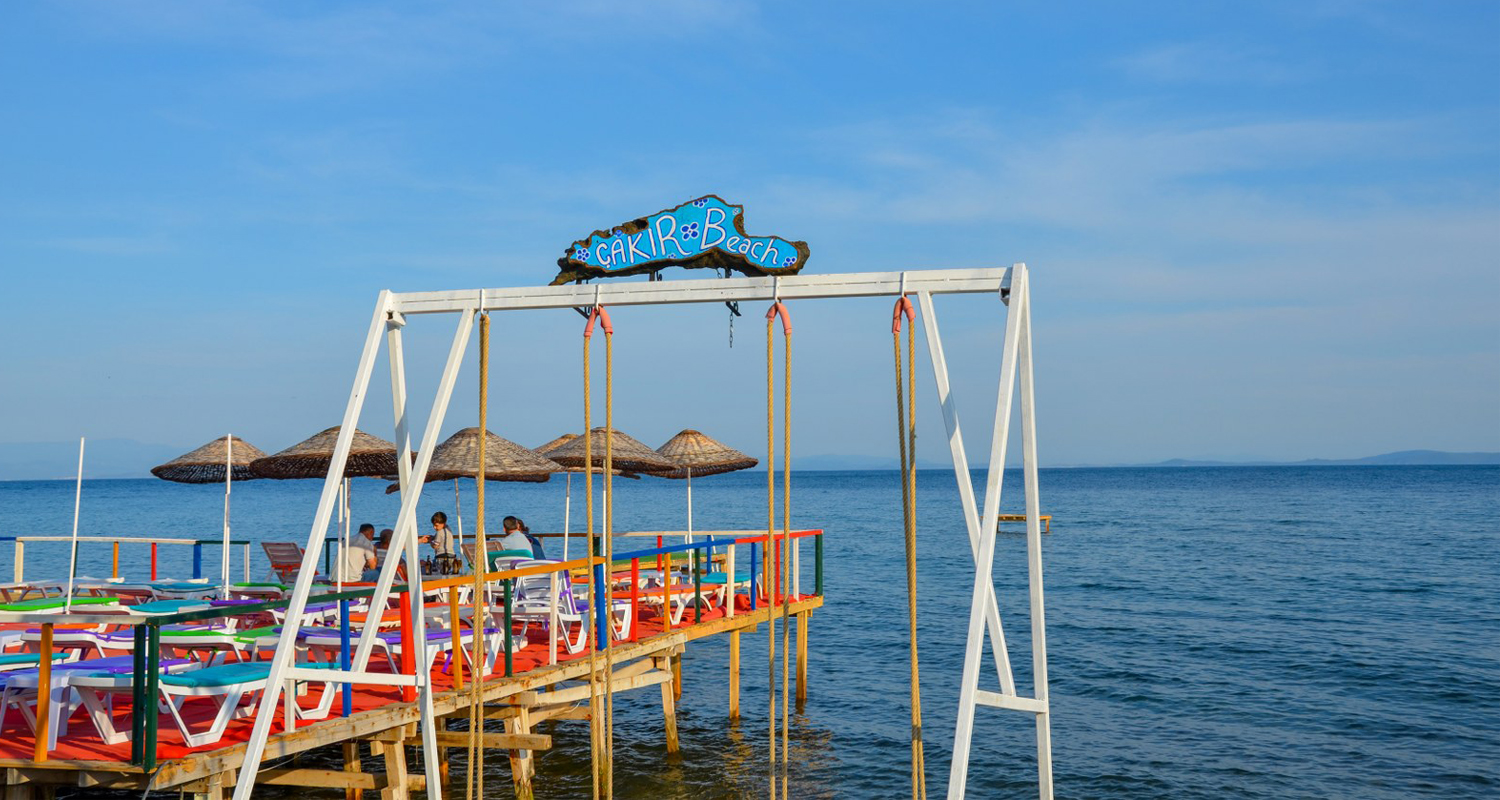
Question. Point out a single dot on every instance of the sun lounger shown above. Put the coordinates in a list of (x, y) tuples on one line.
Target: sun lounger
[(18, 661), (54, 605), (227, 685), (20, 691)]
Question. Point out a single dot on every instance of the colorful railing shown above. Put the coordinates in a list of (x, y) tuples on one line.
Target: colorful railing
[(20, 542)]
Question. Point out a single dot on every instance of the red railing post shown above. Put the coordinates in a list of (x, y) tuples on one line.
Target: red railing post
[(635, 598), (408, 648)]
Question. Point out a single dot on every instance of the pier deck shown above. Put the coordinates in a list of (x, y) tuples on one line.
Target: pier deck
[(536, 691)]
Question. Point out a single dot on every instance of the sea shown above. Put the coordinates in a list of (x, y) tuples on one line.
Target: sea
[(1235, 632)]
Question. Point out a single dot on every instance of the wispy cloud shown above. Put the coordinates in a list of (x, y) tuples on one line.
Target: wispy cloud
[(1207, 62)]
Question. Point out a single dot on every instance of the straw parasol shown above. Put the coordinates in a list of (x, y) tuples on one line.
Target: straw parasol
[(208, 463), (630, 457), (628, 454), (697, 454), (369, 456), (311, 458), (228, 460), (504, 460)]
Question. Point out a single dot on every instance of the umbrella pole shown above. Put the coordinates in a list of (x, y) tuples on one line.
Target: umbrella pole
[(690, 505), (228, 479), (343, 534), (458, 515), (567, 509), (73, 549)]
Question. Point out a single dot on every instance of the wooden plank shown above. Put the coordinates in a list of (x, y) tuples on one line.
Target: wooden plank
[(497, 741), (397, 785), (802, 620), (734, 675), (522, 765), (669, 713), (353, 766), (321, 778), (574, 694)]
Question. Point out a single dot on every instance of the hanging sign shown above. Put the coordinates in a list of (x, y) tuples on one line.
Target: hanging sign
[(706, 232)]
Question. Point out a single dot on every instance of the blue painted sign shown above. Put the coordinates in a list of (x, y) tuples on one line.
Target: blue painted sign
[(706, 232)]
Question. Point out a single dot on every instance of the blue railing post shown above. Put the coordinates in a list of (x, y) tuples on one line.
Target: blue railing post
[(601, 607), (344, 662), (197, 559), (754, 575)]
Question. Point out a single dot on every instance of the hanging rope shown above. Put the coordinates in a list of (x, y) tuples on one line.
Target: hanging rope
[(607, 607), (600, 737), (906, 432), (777, 557), (474, 779)]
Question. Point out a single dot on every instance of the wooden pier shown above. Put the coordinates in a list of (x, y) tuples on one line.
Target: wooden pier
[(385, 725)]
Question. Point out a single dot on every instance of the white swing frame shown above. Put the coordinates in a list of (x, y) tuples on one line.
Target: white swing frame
[(391, 310)]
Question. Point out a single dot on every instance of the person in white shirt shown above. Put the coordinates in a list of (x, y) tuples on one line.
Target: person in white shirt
[(360, 557), (514, 539)]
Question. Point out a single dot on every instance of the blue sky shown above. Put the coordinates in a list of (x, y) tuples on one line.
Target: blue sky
[(1261, 230)]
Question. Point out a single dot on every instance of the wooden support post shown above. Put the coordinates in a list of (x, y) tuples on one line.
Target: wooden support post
[(677, 676), (352, 764), (734, 676), (669, 713), (802, 658), (522, 765), (397, 786)]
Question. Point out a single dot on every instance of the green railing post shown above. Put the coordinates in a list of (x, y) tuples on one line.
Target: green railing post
[(153, 688), (140, 700), (818, 564)]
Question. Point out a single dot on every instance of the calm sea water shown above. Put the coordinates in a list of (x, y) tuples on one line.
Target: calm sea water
[(1238, 632)]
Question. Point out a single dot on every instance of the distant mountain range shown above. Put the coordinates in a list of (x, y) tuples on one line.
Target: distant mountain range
[(1399, 458), (127, 458)]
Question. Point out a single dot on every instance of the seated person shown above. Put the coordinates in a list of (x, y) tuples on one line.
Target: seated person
[(359, 560), (517, 537), (441, 537)]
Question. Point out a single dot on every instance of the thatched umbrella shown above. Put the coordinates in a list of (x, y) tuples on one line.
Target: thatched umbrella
[(568, 489), (629, 457), (369, 456), (228, 460), (628, 453), (697, 454), (458, 457)]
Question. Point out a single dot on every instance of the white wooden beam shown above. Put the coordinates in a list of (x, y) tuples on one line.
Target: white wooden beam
[(965, 481), (711, 290), (286, 643)]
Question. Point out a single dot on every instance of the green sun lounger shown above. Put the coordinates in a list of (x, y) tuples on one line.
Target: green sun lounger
[(49, 603)]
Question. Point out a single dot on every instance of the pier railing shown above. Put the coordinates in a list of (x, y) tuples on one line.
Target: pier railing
[(762, 582), (20, 542)]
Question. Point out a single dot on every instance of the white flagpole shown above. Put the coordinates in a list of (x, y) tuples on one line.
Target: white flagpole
[(73, 550), (458, 516), (690, 505), (228, 479), (343, 534)]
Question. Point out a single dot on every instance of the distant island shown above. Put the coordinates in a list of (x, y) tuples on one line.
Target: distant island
[(1406, 458)]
